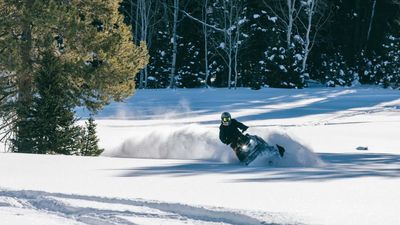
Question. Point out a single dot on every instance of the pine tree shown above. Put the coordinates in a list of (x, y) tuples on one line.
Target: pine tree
[(334, 71), (50, 127), (284, 67), (93, 49), (391, 62), (90, 141), (371, 68)]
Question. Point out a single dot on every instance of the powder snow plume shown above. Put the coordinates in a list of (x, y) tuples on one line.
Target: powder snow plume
[(169, 142), (297, 154), (202, 143)]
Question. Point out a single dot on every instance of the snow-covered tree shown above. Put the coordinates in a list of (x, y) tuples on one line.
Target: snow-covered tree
[(286, 12), (335, 72), (391, 62), (261, 33), (284, 67), (370, 68), (212, 48), (227, 18)]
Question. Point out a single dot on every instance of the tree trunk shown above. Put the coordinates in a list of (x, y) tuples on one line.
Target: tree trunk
[(24, 84), (237, 41), (229, 33), (175, 44), (311, 10), (290, 4), (357, 37), (205, 42), (25, 79), (371, 20), (236, 56)]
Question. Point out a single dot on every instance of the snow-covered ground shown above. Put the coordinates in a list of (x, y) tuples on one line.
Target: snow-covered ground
[(164, 164)]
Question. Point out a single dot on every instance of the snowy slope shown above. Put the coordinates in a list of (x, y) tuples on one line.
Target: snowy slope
[(164, 164)]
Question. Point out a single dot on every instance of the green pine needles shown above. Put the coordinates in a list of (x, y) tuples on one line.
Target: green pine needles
[(55, 56), (89, 144)]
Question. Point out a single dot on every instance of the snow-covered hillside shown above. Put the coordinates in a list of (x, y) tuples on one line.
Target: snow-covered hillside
[(164, 164)]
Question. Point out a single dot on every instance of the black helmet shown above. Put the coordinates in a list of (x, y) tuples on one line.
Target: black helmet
[(225, 118)]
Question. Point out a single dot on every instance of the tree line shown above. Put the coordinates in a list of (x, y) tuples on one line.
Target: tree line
[(266, 43)]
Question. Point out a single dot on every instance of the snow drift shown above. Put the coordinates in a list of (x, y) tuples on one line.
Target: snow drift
[(202, 143)]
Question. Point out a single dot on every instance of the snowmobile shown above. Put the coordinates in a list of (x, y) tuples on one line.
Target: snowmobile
[(252, 146)]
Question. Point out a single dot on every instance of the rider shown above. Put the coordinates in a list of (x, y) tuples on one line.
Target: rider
[(231, 132)]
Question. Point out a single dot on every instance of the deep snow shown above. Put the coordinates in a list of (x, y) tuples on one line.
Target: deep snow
[(164, 164)]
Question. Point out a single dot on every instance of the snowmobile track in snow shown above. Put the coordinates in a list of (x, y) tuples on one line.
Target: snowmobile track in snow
[(86, 210)]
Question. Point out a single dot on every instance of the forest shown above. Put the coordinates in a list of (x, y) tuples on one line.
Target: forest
[(266, 43)]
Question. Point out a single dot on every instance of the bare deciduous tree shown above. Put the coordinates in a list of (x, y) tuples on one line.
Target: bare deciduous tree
[(174, 44), (226, 38), (143, 18), (371, 19), (316, 13), (205, 35), (287, 12)]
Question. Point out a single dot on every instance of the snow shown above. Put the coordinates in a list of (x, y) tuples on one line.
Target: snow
[(271, 58), (164, 164), (241, 21), (298, 57), (273, 18)]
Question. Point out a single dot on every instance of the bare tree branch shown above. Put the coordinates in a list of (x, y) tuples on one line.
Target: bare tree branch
[(280, 19), (205, 24)]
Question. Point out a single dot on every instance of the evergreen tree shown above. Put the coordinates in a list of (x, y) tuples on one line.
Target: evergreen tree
[(259, 34), (50, 126), (284, 67), (92, 46), (89, 145), (188, 61), (391, 62), (370, 68), (334, 71)]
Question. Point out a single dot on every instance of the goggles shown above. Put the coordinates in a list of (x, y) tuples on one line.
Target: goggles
[(226, 119)]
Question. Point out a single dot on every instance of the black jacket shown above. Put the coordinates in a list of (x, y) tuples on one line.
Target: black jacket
[(230, 134)]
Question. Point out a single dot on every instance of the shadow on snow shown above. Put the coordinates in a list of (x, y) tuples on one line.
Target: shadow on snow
[(149, 105), (338, 166)]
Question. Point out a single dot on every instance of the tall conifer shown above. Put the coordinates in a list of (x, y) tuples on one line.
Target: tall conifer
[(89, 45)]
